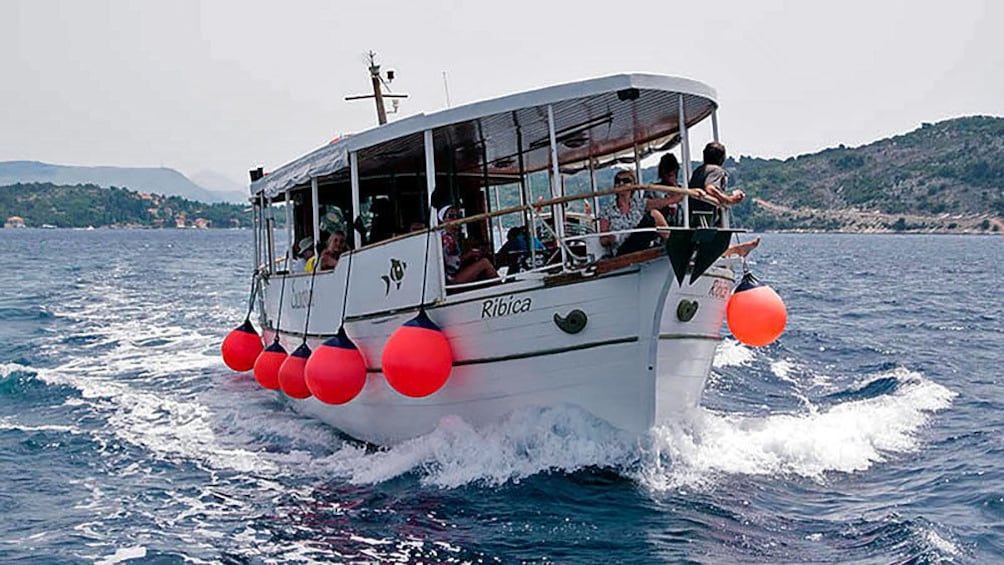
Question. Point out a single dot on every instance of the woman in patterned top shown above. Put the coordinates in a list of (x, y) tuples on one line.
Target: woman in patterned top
[(462, 266), (630, 210)]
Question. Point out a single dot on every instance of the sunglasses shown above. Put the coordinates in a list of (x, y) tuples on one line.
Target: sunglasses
[(623, 180)]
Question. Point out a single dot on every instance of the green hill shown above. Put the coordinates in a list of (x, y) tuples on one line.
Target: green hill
[(89, 205), (946, 176)]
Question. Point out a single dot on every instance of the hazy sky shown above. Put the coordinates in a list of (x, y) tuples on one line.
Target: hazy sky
[(226, 85)]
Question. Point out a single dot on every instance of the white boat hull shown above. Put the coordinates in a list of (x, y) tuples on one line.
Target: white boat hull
[(635, 363)]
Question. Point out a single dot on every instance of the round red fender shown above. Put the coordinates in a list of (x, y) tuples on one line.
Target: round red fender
[(417, 358), (241, 347), (266, 367), (291, 379), (336, 371), (756, 314)]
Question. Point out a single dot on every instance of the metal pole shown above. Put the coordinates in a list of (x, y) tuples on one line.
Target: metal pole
[(637, 165), (270, 237), (288, 203), (685, 153), (315, 205), (592, 188), (357, 238), (558, 210), (430, 175), (714, 124), (529, 224), (254, 231)]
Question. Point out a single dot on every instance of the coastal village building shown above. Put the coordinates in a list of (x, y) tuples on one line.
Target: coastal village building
[(14, 222)]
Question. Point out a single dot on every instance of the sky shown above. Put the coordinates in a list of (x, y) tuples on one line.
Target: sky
[(225, 86)]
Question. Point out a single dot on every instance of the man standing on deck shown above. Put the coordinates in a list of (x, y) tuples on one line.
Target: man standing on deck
[(713, 180)]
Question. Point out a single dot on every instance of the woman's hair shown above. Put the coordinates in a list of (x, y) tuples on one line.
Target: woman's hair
[(668, 164)]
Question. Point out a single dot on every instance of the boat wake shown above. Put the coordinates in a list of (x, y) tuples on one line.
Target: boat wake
[(880, 418)]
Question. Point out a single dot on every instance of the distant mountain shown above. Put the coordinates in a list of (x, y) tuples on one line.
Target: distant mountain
[(143, 179), (947, 176), (224, 186)]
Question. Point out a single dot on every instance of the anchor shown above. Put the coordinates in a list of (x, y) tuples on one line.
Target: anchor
[(702, 246)]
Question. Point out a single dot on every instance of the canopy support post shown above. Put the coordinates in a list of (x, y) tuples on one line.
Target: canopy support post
[(430, 175), (357, 237), (315, 206), (685, 153), (558, 210), (288, 206)]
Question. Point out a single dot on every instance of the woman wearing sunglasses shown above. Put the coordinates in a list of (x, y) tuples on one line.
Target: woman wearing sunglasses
[(630, 210), (462, 266)]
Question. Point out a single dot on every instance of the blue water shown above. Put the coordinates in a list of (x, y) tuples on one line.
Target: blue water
[(871, 432)]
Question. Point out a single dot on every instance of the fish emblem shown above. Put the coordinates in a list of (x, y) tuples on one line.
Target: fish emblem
[(396, 275)]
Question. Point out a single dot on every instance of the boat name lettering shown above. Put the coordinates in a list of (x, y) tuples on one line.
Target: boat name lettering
[(299, 298), (720, 289), (505, 306)]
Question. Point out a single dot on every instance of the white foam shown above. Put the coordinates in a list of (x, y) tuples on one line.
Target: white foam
[(846, 438), (731, 353), (529, 442), (123, 554)]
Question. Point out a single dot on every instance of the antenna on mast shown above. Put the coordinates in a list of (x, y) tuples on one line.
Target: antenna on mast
[(378, 82), (446, 88)]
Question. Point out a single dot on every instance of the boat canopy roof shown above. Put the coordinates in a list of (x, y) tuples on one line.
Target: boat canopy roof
[(592, 118)]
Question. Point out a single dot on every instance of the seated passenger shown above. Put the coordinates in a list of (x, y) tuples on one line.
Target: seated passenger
[(333, 251), (462, 266), (667, 202), (302, 254), (712, 179), (629, 211), (515, 252)]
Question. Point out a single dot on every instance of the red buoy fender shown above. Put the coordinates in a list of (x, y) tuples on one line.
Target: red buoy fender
[(756, 314), (241, 347), (291, 379), (266, 367), (417, 358), (336, 371)]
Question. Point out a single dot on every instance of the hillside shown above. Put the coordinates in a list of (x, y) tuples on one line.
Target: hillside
[(46, 204), (160, 180), (947, 176)]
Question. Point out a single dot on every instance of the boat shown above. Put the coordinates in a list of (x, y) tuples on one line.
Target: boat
[(629, 339)]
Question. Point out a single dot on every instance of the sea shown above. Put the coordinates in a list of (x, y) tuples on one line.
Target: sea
[(872, 431)]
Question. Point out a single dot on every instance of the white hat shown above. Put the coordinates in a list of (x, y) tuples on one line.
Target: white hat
[(305, 244)]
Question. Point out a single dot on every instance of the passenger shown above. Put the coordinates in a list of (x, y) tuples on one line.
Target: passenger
[(462, 266), (302, 254), (515, 252), (629, 211), (667, 202), (333, 251), (712, 179), (384, 225)]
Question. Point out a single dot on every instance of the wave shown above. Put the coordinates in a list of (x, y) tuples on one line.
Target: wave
[(847, 437)]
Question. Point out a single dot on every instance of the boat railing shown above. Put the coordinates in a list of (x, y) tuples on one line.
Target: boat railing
[(576, 260)]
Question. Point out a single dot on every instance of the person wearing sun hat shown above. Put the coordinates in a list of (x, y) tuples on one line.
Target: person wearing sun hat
[(303, 256)]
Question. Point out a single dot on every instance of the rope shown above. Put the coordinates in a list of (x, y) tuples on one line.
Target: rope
[(345, 297), (310, 296), (278, 317), (254, 291), (425, 269)]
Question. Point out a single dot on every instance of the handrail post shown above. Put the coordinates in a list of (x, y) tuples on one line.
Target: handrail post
[(357, 237), (315, 209), (685, 153), (430, 174), (557, 211)]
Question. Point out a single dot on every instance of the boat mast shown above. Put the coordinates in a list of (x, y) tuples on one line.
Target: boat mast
[(378, 82)]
